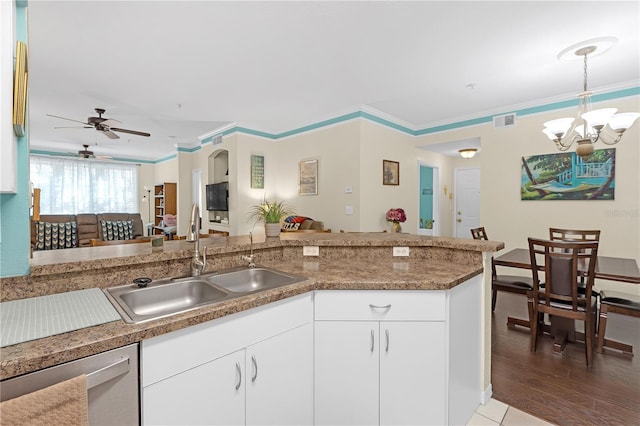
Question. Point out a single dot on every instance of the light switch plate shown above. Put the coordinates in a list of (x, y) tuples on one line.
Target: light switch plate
[(401, 251), (310, 251), (348, 210), (348, 189)]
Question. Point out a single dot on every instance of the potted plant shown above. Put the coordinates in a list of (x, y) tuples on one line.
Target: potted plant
[(271, 213)]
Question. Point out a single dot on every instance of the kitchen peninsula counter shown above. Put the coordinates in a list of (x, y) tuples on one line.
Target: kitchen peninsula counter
[(346, 262)]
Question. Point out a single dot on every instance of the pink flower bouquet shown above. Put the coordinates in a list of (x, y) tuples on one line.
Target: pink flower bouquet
[(396, 215)]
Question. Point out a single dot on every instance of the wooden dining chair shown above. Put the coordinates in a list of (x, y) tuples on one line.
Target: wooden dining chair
[(617, 304), (508, 283), (557, 234), (561, 263)]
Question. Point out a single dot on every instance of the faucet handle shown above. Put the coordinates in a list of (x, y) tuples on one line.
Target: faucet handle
[(204, 258)]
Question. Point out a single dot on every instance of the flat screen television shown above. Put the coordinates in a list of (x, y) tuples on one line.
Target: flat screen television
[(217, 197)]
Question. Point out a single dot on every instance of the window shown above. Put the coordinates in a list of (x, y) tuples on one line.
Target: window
[(70, 186)]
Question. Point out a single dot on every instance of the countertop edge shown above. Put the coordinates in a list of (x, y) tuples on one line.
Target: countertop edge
[(34, 355)]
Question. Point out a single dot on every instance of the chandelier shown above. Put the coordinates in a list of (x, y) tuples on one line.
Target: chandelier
[(589, 126)]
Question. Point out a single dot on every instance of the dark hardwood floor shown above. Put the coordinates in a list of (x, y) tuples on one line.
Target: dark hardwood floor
[(561, 389)]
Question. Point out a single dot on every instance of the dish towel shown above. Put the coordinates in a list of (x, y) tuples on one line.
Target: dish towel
[(65, 403)]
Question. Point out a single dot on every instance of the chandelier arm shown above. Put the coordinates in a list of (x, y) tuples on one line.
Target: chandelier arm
[(607, 138)]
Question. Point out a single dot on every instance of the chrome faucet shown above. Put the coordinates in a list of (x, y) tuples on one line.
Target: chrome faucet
[(249, 258), (193, 235)]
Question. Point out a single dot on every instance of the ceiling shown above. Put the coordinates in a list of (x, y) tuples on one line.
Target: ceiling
[(180, 69)]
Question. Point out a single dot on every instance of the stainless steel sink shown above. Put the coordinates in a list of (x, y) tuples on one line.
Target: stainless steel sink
[(164, 298), (249, 280), (172, 296)]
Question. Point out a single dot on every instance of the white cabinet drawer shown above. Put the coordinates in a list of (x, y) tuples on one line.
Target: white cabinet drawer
[(384, 305), (172, 353)]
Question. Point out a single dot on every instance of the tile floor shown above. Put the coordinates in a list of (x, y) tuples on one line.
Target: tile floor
[(498, 413)]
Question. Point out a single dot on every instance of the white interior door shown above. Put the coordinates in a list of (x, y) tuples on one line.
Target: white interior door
[(467, 194)]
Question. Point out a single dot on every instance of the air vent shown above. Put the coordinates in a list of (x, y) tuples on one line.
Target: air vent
[(506, 120), (217, 139)]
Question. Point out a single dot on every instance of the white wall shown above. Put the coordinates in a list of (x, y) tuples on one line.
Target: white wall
[(8, 148)]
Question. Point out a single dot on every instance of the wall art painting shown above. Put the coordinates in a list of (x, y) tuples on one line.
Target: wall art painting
[(257, 171), (390, 172), (567, 176), (308, 183)]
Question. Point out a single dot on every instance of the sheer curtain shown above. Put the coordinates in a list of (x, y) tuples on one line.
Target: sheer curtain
[(70, 186)]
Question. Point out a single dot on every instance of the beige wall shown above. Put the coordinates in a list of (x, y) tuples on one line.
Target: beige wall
[(507, 218), (351, 154)]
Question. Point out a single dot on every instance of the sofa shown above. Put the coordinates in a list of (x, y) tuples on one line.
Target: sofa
[(55, 231)]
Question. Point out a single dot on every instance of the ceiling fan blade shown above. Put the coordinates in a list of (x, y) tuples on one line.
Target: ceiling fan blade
[(133, 132), (103, 157), (73, 127), (64, 118), (109, 134)]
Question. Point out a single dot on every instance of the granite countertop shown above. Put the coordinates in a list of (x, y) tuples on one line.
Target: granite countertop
[(323, 274), (86, 258)]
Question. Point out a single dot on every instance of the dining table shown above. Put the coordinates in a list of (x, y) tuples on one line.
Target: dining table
[(607, 268)]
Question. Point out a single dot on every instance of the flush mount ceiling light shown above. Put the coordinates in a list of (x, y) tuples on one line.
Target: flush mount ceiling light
[(467, 152), (589, 126)]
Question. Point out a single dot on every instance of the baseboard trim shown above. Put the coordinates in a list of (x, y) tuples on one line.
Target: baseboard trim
[(486, 395)]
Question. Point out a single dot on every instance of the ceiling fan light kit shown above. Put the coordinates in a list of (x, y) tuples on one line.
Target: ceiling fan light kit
[(589, 126), (104, 125)]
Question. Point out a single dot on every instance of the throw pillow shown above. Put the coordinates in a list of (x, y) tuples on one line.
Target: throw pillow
[(170, 220), (53, 236), (292, 223), (116, 229)]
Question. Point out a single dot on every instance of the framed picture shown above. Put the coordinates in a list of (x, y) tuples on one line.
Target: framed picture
[(390, 172), (567, 176), (308, 177), (257, 171)]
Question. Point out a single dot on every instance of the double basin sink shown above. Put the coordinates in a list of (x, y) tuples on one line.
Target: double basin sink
[(138, 303)]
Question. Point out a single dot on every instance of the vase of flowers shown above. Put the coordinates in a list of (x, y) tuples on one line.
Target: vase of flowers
[(396, 217)]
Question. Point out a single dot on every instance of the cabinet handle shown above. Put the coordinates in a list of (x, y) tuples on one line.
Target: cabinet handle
[(255, 368), (380, 307), (372, 340), (239, 375), (386, 332)]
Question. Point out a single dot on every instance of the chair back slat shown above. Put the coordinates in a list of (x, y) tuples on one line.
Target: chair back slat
[(574, 234), (481, 234)]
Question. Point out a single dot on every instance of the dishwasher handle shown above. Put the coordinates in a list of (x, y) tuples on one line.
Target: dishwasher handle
[(98, 377)]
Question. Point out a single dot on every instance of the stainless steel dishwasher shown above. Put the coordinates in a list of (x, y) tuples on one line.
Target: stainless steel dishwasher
[(112, 382)]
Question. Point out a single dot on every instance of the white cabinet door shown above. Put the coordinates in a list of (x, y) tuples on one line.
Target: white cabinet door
[(346, 372), (412, 373), (210, 394), (280, 379)]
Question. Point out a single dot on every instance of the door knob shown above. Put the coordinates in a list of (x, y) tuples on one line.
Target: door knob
[(459, 220)]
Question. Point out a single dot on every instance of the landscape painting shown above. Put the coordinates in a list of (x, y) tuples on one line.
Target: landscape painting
[(567, 176)]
